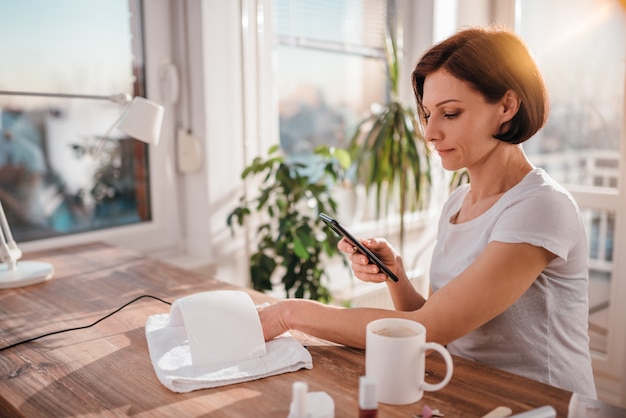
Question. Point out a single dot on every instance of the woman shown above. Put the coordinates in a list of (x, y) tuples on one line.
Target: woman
[(509, 271)]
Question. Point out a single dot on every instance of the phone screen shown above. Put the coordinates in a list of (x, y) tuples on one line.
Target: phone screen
[(343, 232)]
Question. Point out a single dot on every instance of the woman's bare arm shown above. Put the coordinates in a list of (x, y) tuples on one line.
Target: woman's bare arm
[(498, 277)]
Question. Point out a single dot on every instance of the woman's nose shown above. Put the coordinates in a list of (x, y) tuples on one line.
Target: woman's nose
[(429, 130)]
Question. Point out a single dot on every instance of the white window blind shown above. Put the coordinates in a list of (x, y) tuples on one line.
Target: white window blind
[(347, 26)]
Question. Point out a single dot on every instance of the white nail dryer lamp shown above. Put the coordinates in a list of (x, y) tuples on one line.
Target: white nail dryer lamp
[(222, 326)]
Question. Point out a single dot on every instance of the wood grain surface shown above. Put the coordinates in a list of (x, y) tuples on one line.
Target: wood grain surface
[(105, 370)]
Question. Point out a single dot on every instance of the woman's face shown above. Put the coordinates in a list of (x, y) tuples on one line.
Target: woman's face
[(459, 122)]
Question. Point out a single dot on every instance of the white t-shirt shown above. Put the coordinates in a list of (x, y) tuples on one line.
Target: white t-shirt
[(543, 335)]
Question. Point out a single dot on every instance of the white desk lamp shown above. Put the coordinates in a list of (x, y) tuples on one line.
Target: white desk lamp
[(141, 119)]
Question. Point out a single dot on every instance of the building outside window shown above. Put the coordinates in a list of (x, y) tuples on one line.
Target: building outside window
[(330, 69)]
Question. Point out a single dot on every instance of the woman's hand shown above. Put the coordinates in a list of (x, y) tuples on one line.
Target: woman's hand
[(273, 319), (362, 267)]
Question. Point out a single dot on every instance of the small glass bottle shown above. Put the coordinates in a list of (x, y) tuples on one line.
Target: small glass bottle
[(299, 407), (368, 397)]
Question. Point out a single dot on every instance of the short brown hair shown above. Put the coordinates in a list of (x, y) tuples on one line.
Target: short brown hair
[(492, 60)]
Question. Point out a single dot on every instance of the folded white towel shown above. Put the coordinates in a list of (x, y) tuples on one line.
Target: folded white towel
[(171, 359)]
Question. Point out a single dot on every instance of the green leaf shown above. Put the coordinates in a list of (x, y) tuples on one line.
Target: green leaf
[(391, 157), (290, 237), (273, 149), (300, 249), (261, 268)]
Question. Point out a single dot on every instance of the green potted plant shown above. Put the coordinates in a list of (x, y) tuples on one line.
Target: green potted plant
[(291, 239), (391, 156)]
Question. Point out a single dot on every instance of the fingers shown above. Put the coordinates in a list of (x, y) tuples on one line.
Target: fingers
[(352, 252), (361, 265), (345, 246), (373, 244), (377, 244)]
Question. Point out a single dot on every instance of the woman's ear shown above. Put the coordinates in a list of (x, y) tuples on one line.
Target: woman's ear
[(510, 106)]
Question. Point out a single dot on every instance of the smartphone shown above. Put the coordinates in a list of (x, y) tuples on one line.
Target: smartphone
[(343, 232)]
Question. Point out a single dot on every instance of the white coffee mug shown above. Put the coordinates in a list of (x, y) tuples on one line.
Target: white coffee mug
[(395, 356)]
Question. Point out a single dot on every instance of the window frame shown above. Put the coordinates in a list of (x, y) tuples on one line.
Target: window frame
[(161, 235)]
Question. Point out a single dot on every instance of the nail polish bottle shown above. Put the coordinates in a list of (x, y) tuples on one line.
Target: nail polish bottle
[(299, 407), (368, 397), (307, 404)]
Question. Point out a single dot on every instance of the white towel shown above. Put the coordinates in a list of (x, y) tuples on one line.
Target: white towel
[(171, 359)]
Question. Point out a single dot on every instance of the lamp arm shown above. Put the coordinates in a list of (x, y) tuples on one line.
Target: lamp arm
[(108, 132), (9, 251)]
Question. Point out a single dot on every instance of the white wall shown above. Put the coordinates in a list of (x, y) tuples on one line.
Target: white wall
[(213, 113)]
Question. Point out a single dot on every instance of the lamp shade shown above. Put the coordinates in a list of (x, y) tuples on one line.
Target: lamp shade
[(143, 120)]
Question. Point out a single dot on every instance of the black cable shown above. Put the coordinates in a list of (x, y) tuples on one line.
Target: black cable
[(86, 326)]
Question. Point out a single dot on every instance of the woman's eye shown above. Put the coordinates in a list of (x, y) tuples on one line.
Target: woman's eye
[(450, 115), (426, 117)]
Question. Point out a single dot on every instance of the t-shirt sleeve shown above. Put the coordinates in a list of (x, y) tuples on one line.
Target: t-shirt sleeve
[(548, 219)]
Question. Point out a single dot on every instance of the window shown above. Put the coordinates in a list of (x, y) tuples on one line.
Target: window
[(581, 142), (52, 183), (330, 69), (580, 145)]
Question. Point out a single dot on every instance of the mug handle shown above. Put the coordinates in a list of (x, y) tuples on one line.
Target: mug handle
[(430, 387)]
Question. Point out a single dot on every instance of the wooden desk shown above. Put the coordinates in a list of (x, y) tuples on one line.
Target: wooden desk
[(106, 371)]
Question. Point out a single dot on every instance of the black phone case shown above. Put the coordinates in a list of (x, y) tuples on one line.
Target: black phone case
[(343, 232)]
